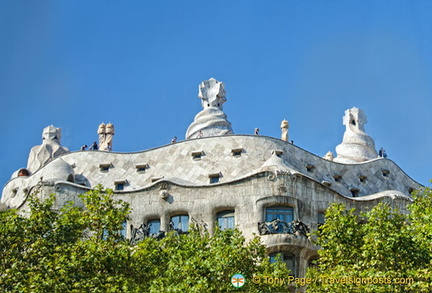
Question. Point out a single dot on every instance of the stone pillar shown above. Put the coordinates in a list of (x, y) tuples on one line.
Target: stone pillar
[(284, 128), (106, 133), (101, 134)]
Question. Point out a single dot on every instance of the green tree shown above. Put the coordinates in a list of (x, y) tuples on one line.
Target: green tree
[(381, 250), (421, 220), (50, 251), (81, 249), (199, 262)]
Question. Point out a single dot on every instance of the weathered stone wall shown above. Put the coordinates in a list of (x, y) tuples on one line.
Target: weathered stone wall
[(248, 197), (191, 162), (253, 173)]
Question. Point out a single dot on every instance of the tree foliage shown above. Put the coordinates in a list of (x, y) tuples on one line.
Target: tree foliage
[(381, 250), (81, 249)]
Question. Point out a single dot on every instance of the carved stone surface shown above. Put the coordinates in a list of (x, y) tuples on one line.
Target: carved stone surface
[(284, 129), (49, 149), (356, 145), (257, 155), (58, 170), (106, 133), (211, 121)]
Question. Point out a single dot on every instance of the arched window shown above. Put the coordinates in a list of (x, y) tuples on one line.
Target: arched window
[(154, 226), (287, 258), (123, 229), (285, 214), (321, 218), (180, 222), (225, 220)]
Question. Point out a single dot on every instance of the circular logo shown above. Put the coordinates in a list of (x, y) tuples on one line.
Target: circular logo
[(238, 280)]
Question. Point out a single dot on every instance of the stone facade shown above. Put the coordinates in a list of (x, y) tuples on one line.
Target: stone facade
[(215, 178)]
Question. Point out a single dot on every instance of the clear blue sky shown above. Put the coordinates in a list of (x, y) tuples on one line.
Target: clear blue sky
[(138, 64)]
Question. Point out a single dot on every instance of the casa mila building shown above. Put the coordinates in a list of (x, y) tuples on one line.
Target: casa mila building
[(263, 185)]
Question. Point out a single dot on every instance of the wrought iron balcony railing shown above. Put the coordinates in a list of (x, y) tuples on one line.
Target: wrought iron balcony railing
[(143, 231), (277, 226)]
